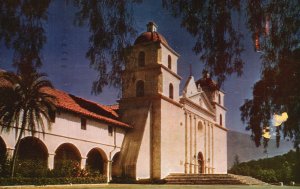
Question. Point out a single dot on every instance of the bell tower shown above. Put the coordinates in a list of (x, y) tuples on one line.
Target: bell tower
[(151, 67), (150, 93)]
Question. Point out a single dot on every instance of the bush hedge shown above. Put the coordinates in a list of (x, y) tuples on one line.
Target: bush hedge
[(52, 181), (284, 168)]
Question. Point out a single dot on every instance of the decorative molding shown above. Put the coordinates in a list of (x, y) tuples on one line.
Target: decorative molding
[(196, 107), (215, 103), (219, 126), (82, 140)]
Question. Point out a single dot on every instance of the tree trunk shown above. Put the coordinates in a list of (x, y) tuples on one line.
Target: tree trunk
[(15, 155)]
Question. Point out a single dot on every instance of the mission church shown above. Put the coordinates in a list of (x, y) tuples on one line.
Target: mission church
[(152, 131)]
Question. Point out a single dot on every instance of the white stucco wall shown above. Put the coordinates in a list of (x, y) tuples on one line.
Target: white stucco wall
[(172, 139), (163, 59), (168, 78), (67, 129), (220, 150), (144, 156)]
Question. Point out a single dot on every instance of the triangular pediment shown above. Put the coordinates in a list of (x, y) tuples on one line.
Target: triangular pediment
[(196, 95), (190, 87)]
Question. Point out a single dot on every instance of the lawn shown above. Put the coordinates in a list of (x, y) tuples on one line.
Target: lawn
[(138, 186)]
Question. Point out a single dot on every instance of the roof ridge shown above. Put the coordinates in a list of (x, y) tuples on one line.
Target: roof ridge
[(102, 106), (68, 103)]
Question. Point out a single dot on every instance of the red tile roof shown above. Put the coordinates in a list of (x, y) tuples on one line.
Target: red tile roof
[(85, 107), (81, 106), (208, 83), (4, 83), (150, 37), (114, 106)]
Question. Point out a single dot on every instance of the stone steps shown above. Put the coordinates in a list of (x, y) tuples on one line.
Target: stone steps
[(208, 179), (248, 180)]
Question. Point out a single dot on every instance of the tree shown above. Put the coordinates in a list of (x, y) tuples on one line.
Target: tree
[(24, 105), (111, 28), (218, 40), (22, 29), (275, 28), (277, 91)]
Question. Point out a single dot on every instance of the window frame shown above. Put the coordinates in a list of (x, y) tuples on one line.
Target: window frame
[(169, 62), (171, 91), (141, 59), (83, 123), (140, 88), (110, 130)]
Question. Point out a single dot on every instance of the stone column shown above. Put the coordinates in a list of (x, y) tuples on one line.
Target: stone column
[(209, 148), (186, 145), (51, 161), (83, 162), (191, 145), (10, 152), (109, 170), (213, 151), (205, 153), (195, 147)]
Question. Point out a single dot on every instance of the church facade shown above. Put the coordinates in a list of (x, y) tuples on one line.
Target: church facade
[(172, 133), (152, 132)]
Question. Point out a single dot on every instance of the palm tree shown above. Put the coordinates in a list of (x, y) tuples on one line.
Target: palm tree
[(25, 105)]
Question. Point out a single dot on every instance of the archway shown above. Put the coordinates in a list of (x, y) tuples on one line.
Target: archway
[(3, 150), (32, 157), (200, 163), (33, 149), (66, 154), (116, 168), (97, 161)]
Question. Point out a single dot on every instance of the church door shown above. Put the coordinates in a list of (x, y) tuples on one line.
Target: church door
[(200, 163)]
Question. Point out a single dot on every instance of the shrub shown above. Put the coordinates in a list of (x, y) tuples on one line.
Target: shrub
[(31, 168), (67, 168), (267, 175), (4, 166), (52, 181)]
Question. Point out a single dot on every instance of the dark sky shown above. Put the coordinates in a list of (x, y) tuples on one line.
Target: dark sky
[(68, 69)]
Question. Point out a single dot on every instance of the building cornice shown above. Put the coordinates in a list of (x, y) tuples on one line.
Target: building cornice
[(169, 48), (149, 98), (170, 71), (217, 104), (220, 127), (152, 67), (94, 119), (187, 101), (72, 138)]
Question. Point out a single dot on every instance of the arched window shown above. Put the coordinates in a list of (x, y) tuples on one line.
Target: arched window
[(219, 98), (200, 126), (141, 59), (169, 62), (140, 88), (220, 119), (171, 91)]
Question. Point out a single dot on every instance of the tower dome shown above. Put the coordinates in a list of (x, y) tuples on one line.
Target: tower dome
[(151, 35)]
